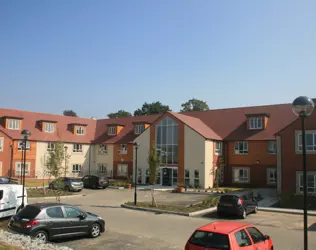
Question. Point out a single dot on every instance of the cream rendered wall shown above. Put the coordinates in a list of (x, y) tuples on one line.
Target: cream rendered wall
[(106, 158), (75, 158), (142, 153), (209, 175), (197, 156)]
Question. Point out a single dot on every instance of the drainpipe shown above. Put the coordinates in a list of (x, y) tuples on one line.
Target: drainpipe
[(90, 158)]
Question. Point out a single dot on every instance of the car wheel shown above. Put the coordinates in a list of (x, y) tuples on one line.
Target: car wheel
[(67, 189), (41, 236), (256, 209), (104, 187), (219, 214), (51, 186), (95, 230), (244, 214)]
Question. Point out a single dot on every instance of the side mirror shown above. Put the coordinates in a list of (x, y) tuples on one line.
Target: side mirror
[(82, 216), (266, 237)]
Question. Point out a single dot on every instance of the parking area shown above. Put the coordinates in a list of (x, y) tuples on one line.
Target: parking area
[(130, 229)]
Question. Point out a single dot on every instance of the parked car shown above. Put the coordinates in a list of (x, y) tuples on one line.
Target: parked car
[(237, 203), (94, 181), (6, 180), (11, 199), (228, 235), (67, 184), (51, 221)]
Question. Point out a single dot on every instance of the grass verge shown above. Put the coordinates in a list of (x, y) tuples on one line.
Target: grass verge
[(40, 192), (118, 183), (205, 204)]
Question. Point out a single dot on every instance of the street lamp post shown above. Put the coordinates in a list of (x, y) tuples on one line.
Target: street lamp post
[(136, 145), (65, 160), (25, 135), (303, 107), (11, 162)]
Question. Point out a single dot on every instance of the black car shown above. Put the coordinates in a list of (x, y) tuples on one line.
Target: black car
[(6, 180), (94, 181), (237, 203), (52, 221), (67, 184)]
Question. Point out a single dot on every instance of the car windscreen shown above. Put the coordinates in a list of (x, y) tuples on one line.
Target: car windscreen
[(231, 199), (210, 240), (29, 212), (74, 179)]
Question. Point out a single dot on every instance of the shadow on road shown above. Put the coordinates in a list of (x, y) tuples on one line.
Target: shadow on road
[(213, 215), (105, 206)]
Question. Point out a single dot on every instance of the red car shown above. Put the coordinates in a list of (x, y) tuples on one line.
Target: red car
[(229, 235)]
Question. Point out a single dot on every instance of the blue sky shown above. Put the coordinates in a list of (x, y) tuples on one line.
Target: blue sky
[(97, 56)]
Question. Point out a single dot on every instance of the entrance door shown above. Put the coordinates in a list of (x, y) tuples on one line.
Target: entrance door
[(167, 177)]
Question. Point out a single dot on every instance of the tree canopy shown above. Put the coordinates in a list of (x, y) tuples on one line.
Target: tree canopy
[(69, 112), (120, 113), (194, 105), (152, 109)]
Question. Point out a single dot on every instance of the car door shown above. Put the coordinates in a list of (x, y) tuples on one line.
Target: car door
[(247, 203), (242, 240), (76, 225), (57, 222), (84, 180), (4, 203), (59, 183), (258, 239)]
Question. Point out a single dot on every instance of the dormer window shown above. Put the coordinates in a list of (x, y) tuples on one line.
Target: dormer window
[(49, 127), (13, 124), (139, 129), (255, 123), (80, 130), (112, 131)]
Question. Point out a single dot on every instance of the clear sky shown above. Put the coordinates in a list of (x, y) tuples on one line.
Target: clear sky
[(98, 56)]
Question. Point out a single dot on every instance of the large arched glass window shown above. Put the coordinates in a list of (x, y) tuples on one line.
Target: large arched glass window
[(167, 141)]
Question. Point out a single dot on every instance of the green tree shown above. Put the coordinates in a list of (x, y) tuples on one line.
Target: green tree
[(194, 105), (69, 112), (55, 163), (120, 113), (153, 162), (152, 109)]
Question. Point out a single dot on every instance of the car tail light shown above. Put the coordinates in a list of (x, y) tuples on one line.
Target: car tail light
[(30, 223), (100, 181), (239, 201)]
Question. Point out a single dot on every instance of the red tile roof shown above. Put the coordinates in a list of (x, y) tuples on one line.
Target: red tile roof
[(219, 124)]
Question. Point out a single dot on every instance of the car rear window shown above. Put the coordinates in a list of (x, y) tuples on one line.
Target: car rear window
[(75, 179), (228, 199), (29, 212), (210, 240), (103, 178)]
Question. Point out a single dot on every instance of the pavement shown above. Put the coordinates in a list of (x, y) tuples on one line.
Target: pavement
[(130, 229)]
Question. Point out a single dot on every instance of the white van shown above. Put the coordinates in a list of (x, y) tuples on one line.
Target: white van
[(11, 199)]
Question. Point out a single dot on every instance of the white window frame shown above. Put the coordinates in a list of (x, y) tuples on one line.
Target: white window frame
[(237, 147), (13, 124), (299, 182), (19, 165), (79, 130), (76, 168), (309, 148), (140, 128), (49, 128), (112, 131), (272, 147), (1, 144), (51, 146), (218, 148), (272, 181), (122, 169), (255, 123), (103, 149), (241, 179), (102, 168), (77, 148), (123, 149), (21, 143)]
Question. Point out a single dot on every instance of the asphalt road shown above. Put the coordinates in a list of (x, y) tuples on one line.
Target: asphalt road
[(130, 229)]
